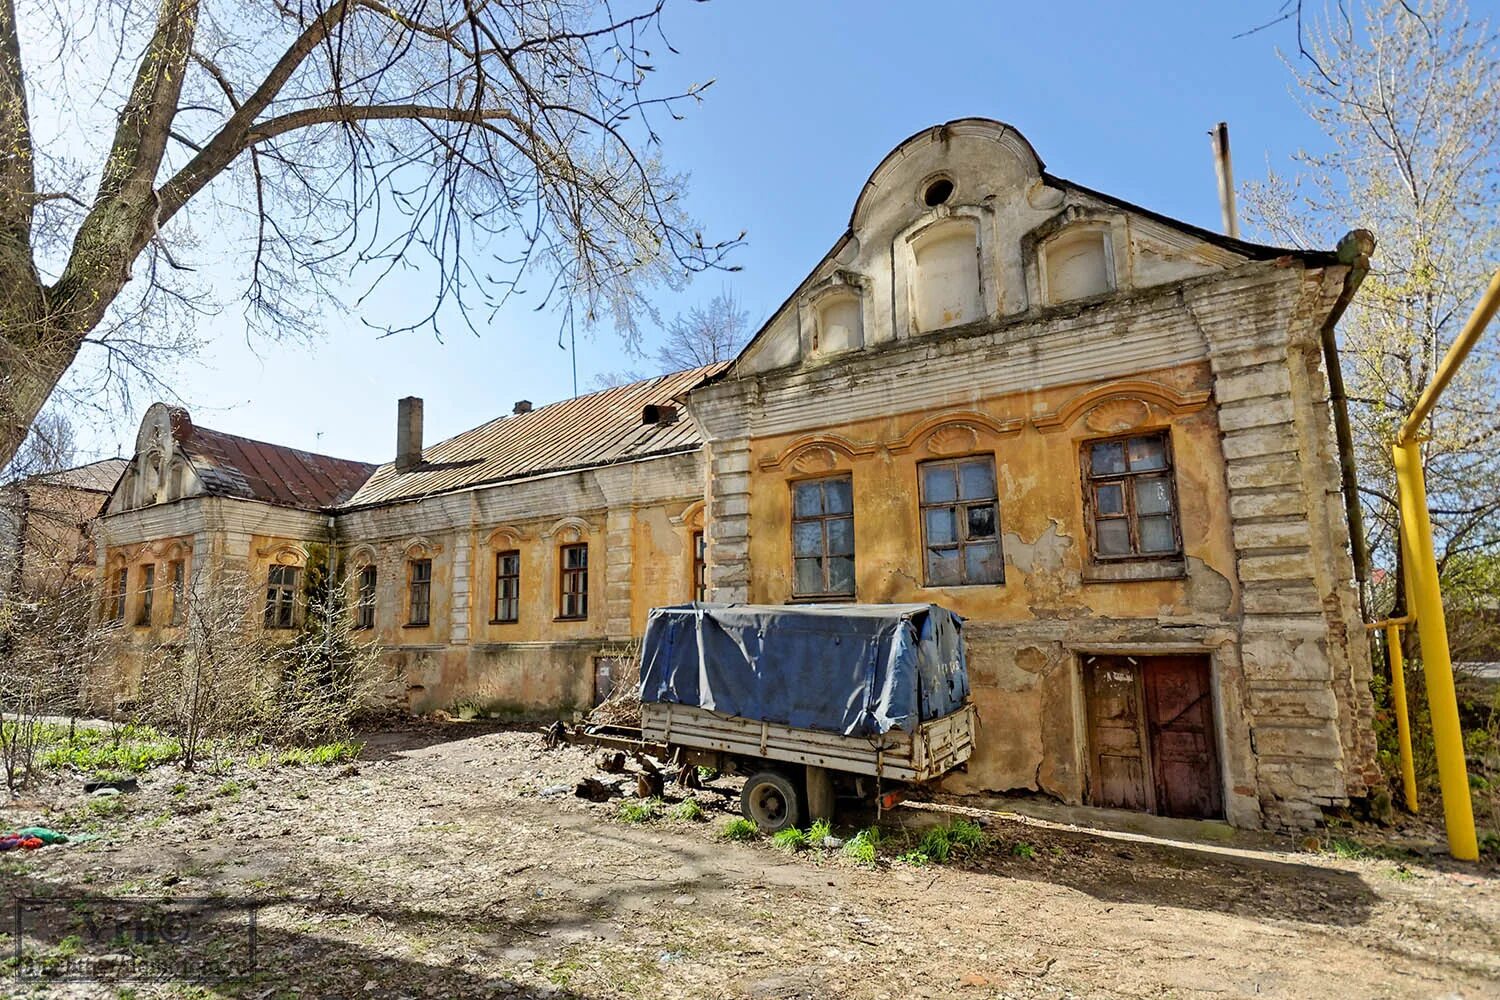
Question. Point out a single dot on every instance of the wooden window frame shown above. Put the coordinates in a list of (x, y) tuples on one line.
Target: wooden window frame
[(366, 592), (960, 503), (503, 577), (573, 582), (148, 596), (419, 593), (822, 519), (1125, 481), (281, 597), (700, 566)]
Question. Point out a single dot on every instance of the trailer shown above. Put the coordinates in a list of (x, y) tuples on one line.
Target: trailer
[(812, 704)]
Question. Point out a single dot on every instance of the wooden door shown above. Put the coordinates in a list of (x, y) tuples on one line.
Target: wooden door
[(1180, 718), (1152, 741), (1117, 739)]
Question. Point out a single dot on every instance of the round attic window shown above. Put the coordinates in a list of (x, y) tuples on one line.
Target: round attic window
[(938, 190)]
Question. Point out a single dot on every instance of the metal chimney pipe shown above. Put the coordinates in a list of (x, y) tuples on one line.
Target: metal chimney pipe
[(1225, 172)]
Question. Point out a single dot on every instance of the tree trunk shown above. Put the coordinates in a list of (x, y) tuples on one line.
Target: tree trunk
[(34, 352)]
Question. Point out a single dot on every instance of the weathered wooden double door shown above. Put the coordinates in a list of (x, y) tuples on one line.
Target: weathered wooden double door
[(1152, 741)]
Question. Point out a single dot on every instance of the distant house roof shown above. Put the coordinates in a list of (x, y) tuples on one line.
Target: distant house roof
[(601, 428), (95, 477), (234, 466)]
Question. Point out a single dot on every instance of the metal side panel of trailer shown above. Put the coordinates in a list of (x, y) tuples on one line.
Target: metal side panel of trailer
[(937, 747)]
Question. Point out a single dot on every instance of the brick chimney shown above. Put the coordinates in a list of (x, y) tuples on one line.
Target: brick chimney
[(522, 406), (408, 433)]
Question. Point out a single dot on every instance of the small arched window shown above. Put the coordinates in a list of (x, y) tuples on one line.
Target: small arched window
[(946, 289), (840, 325), (176, 479), (1079, 263)]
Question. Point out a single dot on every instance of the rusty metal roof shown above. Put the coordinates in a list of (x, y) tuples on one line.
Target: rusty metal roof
[(234, 466), (601, 428)]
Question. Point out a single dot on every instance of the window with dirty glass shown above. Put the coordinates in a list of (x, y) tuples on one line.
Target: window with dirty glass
[(364, 611), (1131, 498), (117, 599), (575, 582), (508, 586), (823, 537), (700, 567), (960, 522), (281, 596), (148, 594), (419, 592), (179, 591)]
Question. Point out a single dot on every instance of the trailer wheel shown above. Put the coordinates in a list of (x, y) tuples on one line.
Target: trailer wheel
[(771, 801)]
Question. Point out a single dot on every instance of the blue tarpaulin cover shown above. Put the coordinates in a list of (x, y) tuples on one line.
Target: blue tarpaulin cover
[(855, 669)]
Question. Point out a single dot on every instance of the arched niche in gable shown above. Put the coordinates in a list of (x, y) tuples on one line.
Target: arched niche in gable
[(832, 315), (1079, 253)]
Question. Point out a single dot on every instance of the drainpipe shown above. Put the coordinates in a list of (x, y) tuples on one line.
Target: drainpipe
[(1353, 250)]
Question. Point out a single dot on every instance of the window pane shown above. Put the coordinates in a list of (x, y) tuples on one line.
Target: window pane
[(1109, 498), (841, 575), (1148, 453), (1108, 458), (841, 536), (982, 521), (1156, 534), (807, 538), (943, 567), (1152, 495), (838, 496), (942, 526), (939, 485), (809, 576), (982, 562), (510, 564), (807, 499), (976, 480), (1112, 537)]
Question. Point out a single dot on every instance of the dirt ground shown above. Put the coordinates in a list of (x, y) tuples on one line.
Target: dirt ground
[(445, 864)]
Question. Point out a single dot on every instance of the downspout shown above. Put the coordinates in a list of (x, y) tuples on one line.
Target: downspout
[(1354, 250)]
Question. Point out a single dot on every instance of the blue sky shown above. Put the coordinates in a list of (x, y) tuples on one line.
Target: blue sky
[(808, 98)]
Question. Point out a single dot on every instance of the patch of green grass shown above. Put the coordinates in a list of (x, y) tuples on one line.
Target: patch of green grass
[(129, 749), (1348, 848), (863, 846), (966, 834), (739, 828), (707, 773), (105, 806), (228, 790), (260, 760), (790, 839), (323, 755), (936, 844), (689, 809), (1401, 873), (820, 831), (916, 858), (643, 811), (1023, 850)]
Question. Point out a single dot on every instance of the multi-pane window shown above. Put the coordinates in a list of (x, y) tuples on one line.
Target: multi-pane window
[(700, 567), (960, 522), (823, 537), (364, 609), (117, 598), (281, 596), (1131, 501), (575, 581), (508, 586), (179, 591), (148, 594), (419, 597)]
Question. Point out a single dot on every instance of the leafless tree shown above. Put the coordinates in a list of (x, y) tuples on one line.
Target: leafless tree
[(475, 148), (701, 336), (1407, 101), (50, 446)]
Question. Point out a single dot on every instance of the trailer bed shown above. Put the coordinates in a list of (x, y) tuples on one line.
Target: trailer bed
[(937, 746)]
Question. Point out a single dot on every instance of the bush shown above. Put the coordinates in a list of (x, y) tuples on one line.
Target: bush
[(739, 828)]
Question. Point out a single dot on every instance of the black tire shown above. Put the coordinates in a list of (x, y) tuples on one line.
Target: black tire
[(771, 801)]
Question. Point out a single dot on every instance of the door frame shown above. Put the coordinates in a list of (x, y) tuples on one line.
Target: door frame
[(1081, 729)]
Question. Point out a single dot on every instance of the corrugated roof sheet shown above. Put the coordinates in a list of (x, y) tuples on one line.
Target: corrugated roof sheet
[(598, 429), (233, 466), (95, 477)]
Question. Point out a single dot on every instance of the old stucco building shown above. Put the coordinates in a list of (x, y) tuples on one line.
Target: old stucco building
[(1100, 435)]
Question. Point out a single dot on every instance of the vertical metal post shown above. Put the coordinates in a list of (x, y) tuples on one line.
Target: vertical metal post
[(1403, 717), (1426, 601)]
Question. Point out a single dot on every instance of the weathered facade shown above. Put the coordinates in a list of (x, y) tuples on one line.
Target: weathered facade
[(1100, 435), (46, 522)]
